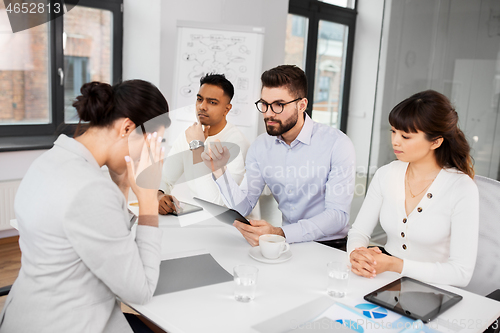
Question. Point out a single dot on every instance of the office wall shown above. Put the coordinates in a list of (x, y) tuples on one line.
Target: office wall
[(141, 40), (363, 91), (450, 46), (270, 14), (364, 78)]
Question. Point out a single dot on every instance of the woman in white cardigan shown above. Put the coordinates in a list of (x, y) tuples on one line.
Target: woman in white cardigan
[(78, 251), (426, 201)]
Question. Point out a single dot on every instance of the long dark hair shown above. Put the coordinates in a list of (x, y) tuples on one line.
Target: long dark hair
[(100, 104), (432, 113)]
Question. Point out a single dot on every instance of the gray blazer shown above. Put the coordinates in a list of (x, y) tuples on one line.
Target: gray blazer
[(78, 252)]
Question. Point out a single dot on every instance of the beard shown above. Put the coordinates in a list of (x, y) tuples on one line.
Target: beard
[(205, 121), (281, 127)]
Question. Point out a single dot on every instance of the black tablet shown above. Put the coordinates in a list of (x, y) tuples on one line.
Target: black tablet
[(221, 213), (414, 299), (185, 208)]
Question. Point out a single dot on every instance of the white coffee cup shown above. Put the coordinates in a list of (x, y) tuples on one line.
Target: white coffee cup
[(272, 246)]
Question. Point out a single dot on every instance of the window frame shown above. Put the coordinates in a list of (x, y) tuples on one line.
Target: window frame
[(41, 136), (316, 11)]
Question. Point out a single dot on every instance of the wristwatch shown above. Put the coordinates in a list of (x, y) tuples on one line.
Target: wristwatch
[(195, 144)]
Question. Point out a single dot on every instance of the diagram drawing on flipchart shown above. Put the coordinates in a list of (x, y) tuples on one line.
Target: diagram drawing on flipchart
[(237, 55)]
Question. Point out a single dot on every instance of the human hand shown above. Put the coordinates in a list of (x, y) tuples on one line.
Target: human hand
[(196, 132), (387, 263), (152, 159), (215, 157), (167, 203), (363, 261), (256, 229)]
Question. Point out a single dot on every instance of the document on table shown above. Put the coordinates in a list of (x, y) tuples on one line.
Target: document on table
[(181, 273), (324, 314)]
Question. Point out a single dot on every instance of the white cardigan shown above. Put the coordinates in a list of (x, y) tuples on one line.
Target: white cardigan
[(438, 239), (78, 252)]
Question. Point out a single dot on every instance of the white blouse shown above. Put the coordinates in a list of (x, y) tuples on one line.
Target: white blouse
[(438, 239)]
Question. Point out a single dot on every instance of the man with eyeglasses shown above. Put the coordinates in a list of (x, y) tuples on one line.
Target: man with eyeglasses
[(309, 167)]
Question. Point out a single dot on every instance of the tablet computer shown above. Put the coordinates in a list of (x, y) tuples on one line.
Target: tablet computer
[(185, 208), (414, 299), (221, 213)]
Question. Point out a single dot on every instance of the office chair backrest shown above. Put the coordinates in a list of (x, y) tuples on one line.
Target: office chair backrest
[(486, 277)]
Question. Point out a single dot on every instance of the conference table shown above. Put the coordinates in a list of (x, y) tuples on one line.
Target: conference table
[(288, 293)]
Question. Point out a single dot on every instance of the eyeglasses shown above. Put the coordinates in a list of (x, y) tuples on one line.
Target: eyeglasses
[(276, 107)]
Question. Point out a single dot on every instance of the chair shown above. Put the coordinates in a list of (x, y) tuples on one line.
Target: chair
[(5, 290), (486, 278)]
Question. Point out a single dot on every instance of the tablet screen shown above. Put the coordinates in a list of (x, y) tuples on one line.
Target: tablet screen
[(186, 208), (222, 213), (414, 299)]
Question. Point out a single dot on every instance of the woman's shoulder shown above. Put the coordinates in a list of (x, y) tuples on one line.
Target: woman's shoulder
[(459, 180), (76, 172), (391, 169), (65, 180)]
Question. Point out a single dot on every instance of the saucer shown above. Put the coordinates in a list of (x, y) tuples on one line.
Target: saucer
[(255, 254)]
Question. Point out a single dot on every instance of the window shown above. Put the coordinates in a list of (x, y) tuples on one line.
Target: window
[(87, 49), (299, 26), (43, 68), (24, 75), (341, 3), (323, 89), (324, 51), (77, 73), (296, 40), (433, 45)]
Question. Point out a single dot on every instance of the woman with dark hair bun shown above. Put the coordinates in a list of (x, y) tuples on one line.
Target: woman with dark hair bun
[(426, 201), (78, 251)]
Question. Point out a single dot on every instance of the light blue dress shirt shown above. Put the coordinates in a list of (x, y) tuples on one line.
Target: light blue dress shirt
[(312, 179)]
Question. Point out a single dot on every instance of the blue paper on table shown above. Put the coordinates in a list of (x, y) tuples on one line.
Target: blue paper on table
[(190, 272), (324, 314)]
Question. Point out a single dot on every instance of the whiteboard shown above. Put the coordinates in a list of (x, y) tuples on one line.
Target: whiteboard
[(236, 52)]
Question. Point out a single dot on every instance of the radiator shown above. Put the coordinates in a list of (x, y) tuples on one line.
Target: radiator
[(8, 191)]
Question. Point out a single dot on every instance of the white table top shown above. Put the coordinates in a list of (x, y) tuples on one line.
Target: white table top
[(280, 287)]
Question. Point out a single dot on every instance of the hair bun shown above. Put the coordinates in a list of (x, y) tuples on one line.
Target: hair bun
[(95, 104)]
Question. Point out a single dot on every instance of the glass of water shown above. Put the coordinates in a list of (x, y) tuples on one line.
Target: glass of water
[(338, 278), (245, 280)]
